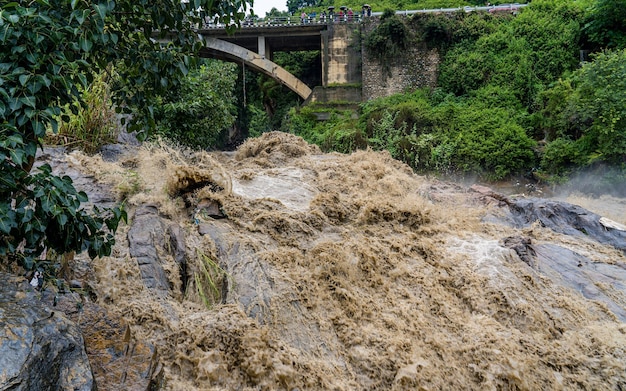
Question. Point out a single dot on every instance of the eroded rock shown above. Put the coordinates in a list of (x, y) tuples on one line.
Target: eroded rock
[(566, 218), (40, 349), (146, 234)]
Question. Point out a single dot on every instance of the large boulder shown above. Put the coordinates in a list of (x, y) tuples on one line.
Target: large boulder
[(40, 349), (567, 219), (596, 281)]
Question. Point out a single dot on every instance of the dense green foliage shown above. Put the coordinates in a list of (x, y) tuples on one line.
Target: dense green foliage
[(523, 55), (585, 115), (510, 98), (450, 136), (606, 25), (50, 50), (201, 110)]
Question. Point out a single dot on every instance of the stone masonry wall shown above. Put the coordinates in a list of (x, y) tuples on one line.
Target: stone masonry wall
[(417, 68)]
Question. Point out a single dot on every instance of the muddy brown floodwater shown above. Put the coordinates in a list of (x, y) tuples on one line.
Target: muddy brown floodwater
[(347, 272)]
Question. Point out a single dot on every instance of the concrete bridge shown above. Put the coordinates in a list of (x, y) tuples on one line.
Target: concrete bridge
[(255, 44), (255, 47)]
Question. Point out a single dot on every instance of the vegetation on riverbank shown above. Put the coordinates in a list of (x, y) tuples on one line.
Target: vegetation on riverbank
[(512, 98), (51, 53)]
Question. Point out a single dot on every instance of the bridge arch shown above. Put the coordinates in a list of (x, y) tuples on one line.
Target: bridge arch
[(224, 50)]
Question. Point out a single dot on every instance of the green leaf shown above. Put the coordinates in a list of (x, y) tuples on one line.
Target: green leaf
[(62, 219), (24, 79), (7, 218), (17, 155), (85, 44), (101, 9), (82, 196), (183, 68), (74, 3)]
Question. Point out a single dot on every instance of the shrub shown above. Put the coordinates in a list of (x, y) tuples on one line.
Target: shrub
[(560, 156), (590, 108), (91, 123), (201, 111)]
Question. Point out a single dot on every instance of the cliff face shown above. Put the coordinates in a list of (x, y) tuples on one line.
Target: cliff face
[(278, 267)]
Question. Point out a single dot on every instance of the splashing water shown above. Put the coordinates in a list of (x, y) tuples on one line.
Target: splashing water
[(342, 274)]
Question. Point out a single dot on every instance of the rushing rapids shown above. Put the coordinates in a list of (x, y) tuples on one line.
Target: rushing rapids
[(279, 267)]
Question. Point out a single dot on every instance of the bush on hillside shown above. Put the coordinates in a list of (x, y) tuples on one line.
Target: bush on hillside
[(589, 108), (89, 124), (201, 111)]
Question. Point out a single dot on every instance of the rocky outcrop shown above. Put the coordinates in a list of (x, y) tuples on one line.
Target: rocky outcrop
[(118, 360), (40, 349), (568, 219), (146, 235), (595, 281)]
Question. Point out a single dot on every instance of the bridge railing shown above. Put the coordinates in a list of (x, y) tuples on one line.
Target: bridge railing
[(512, 8), (294, 21), (358, 17)]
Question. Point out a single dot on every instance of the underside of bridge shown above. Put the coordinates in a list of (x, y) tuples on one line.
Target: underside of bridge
[(275, 38), (224, 50)]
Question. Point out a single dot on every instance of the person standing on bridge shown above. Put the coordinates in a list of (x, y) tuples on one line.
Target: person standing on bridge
[(303, 17)]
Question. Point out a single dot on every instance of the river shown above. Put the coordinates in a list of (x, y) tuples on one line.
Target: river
[(350, 272)]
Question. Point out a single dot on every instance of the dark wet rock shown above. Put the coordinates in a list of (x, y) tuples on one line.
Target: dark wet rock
[(118, 360), (522, 247), (566, 218), (251, 279), (179, 251), (204, 229), (113, 152), (210, 208), (602, 282), (76, 284), (489, 197), (128, 138), (40, 349), (145, 236)]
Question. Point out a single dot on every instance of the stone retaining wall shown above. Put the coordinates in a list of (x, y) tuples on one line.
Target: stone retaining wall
[(417, 68)]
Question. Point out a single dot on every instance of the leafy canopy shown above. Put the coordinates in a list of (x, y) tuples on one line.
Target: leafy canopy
[(587, 112), (49, 50), (200, 112)]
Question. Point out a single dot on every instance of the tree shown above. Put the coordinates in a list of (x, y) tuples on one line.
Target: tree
[(589, 108), (201, 111), (48, 49), (606, 26)]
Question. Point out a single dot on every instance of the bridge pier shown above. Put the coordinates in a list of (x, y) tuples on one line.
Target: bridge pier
[(264, 47), (341, 60)]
